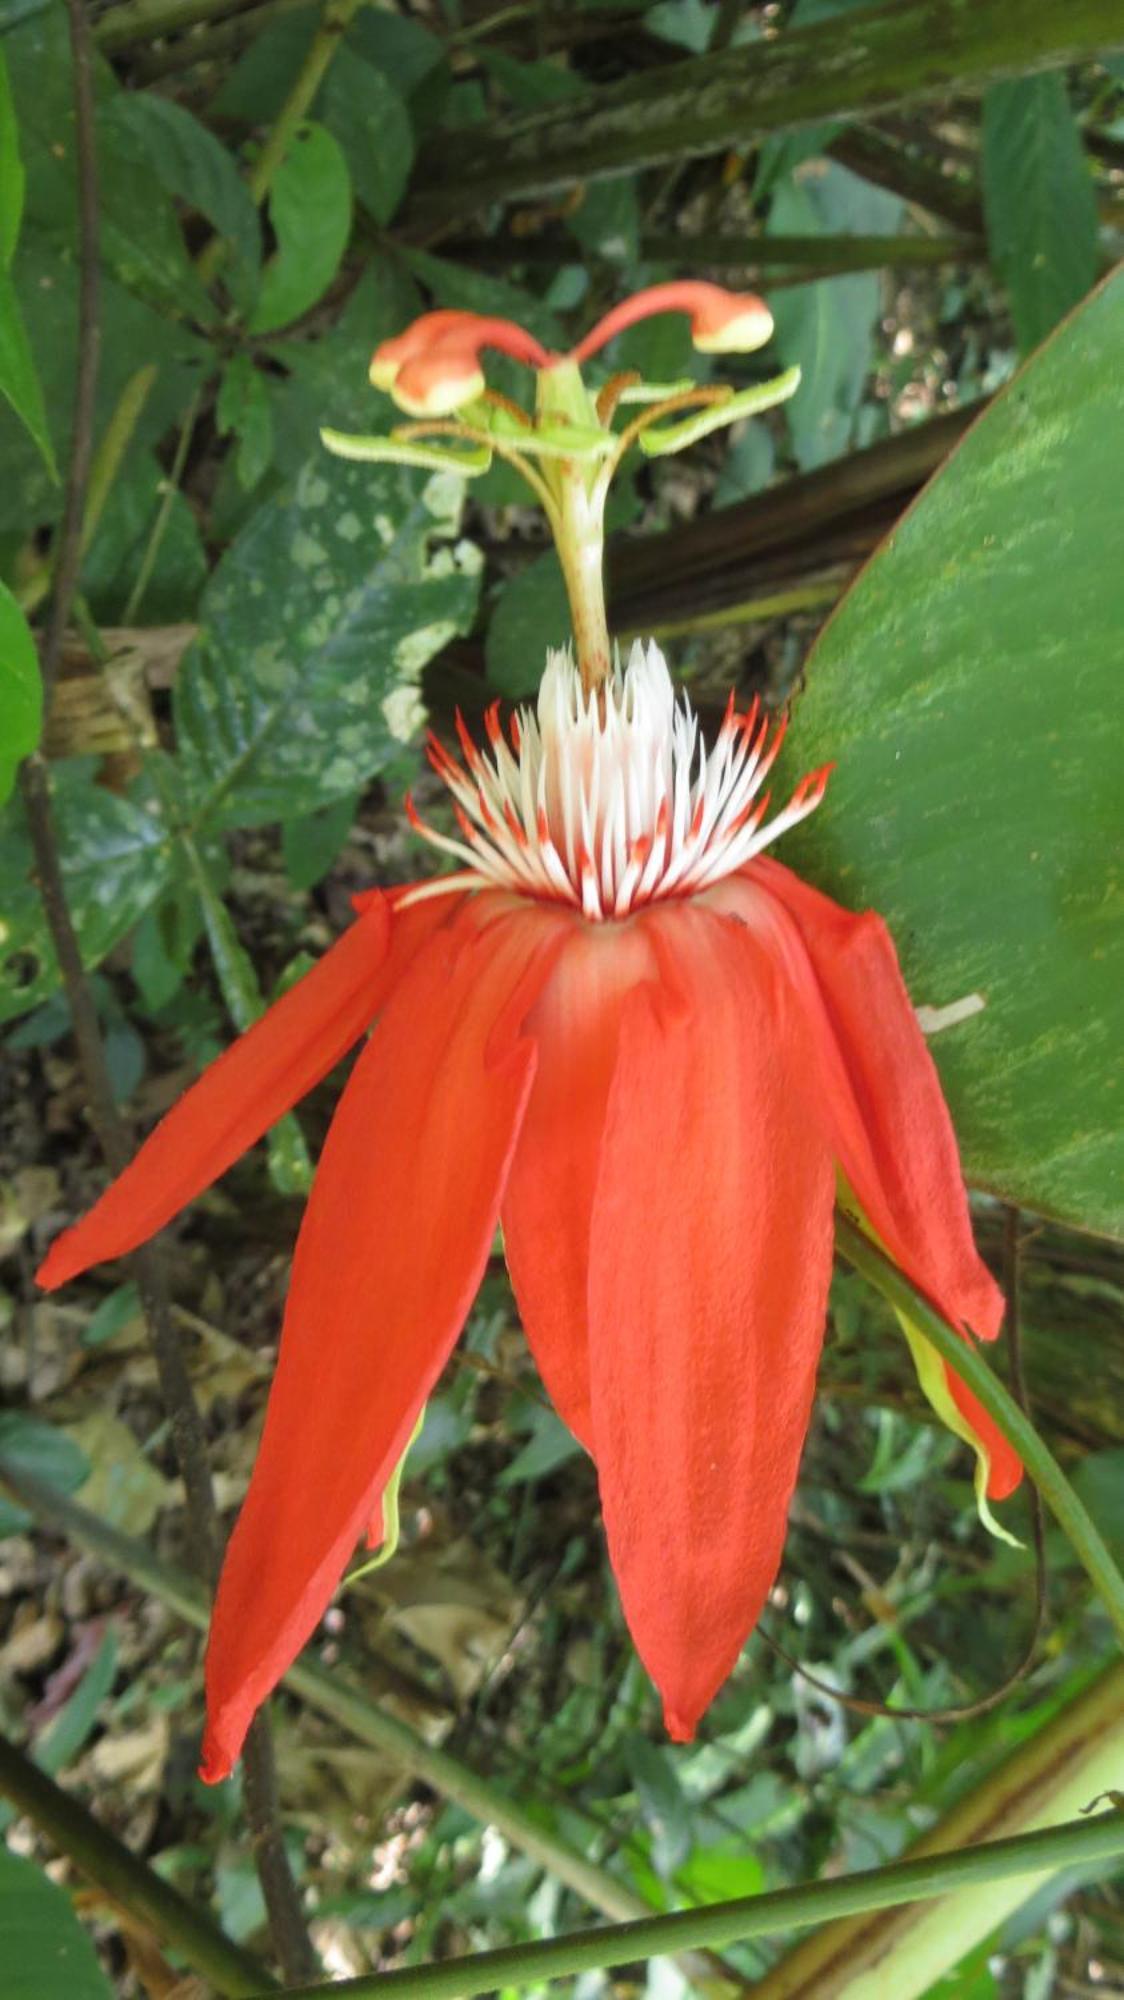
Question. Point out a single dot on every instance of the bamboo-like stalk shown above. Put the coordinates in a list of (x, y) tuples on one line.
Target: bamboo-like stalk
[(146, 20), (835, 514), (1079, 1843), (876, 158), (336, 1697), (128, 1881), (902, 53), (1050, 1778)]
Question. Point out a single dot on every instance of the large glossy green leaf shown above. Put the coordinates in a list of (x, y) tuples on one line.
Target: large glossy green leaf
[(45, 1953), (116, 860), (21, 701), (1039, 200), (969, 689), (317, 625)]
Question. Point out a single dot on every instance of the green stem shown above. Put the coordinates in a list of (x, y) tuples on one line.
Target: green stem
[(164, 512), (973, 1370), (128, 1881), (1079, 1843), (905, 52), (335, 1696), (338, 15), (105, 466)]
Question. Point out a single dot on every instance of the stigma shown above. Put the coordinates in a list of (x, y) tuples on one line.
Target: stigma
[(608, 800)]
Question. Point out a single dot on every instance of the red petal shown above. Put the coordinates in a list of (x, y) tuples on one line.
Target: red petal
[(395, 1239), (548, 1207), (891, 1129), (709, 1268), (252, 1084), (895, 1140)]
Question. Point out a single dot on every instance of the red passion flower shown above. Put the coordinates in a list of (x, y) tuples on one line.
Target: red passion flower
[(648, 1050)]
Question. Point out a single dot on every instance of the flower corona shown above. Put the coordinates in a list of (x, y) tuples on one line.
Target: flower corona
[(609, 799)]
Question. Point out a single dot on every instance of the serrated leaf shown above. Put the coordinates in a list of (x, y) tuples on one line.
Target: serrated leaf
[(317, 624), (21, 691), (46, 1952), (962, 689), (310, 210), (115, 861), (191, 164), (362, 109), (1039, 202)]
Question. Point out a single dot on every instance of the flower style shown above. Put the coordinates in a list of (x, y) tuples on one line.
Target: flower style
[(646, 1048)]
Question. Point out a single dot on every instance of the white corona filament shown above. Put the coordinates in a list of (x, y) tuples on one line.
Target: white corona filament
[(610, 800)]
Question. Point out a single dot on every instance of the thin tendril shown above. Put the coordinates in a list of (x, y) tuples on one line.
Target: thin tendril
[(966, 1711)]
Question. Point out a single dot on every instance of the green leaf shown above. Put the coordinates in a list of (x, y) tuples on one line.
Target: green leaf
[(21, 691), (365, 113), (317, 624), (663, 1805), (115, 861), (243, 407), (963, 688), (116, 1311), (191, 164), (47, 284), (532, 613), (19, 381), (46, 1953), (141, 241), (47, 1454), (310, 844), (310, 210), (72, 1725), (12, 177), (827, 329), (1039, 202)]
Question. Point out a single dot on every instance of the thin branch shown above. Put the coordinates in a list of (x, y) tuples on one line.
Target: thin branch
[(128, 1881), (282, 1901), (1076, 1843), (69, 543), (963, 1356), (335, 1694)]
